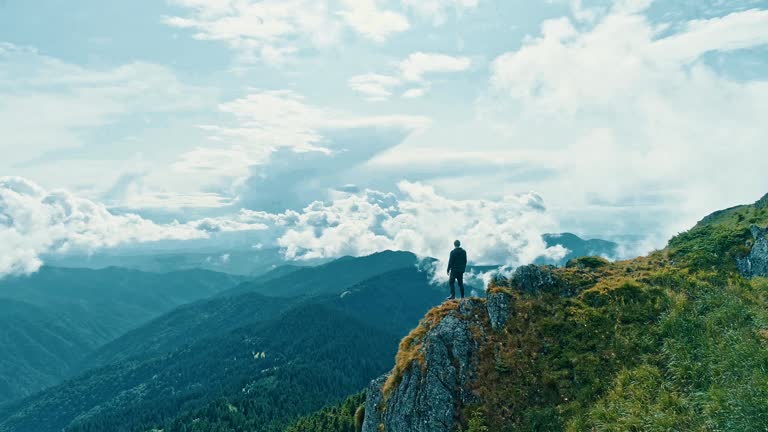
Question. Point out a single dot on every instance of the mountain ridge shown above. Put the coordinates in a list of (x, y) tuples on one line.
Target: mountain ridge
[(676, 340)]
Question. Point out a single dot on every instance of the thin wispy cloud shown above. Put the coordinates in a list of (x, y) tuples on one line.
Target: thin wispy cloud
[(412, 71)]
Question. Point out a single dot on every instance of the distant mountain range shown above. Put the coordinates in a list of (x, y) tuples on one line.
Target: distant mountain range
[(256, 262), (246, 262), (578, 247)]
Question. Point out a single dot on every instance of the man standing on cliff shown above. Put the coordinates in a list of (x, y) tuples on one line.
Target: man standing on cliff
[(457, 264)]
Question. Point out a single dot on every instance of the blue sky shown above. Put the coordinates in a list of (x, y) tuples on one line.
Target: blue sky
[(488, 120)]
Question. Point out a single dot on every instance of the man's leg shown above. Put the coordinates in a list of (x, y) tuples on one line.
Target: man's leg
[(451, 282), (460, 278)]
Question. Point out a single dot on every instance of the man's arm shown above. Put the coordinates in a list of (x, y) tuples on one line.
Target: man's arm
[(450, 262)]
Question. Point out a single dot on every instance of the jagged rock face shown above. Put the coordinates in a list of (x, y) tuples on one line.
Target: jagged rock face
[(498, 305), (430, 398), (756, 263), (373, 404)]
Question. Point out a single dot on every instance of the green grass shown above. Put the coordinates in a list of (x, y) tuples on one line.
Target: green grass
[(674, 341)]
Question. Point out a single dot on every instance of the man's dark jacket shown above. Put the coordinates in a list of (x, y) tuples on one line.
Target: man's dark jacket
[(458, 261)]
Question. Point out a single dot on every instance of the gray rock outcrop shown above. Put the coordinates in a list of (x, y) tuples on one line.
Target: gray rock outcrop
[(430, 397), (373, 402), (536, 280), (498, 304), (756, 263)]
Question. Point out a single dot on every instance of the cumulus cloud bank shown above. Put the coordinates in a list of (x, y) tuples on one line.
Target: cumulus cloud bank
[(418, 219), (34, 221)]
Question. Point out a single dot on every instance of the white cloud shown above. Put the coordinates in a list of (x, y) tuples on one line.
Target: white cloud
[(266, 121), (77, 98), (375, 87), (419, 64), (631, 116), (54, 116), (731, 32), (414, 68), (506, 231), (35, 221), (436, 10), (144, 200), (416, 92), (268, 156), (366, 18), (268, 29), (273, 30)]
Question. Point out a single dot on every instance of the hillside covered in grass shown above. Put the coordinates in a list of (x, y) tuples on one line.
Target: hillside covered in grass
[(676, 340)]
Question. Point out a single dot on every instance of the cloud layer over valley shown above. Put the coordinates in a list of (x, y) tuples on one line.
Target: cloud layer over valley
[(34, 221)]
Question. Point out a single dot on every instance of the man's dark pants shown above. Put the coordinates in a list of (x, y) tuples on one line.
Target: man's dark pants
[(456, 276)]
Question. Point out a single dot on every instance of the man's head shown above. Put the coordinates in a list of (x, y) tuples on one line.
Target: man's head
[(456, 243)]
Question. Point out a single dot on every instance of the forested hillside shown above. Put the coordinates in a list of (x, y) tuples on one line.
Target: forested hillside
[(37, 348), (246, 360), (55, 317)]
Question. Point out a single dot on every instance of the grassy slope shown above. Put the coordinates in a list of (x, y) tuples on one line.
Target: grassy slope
[(672, 341)]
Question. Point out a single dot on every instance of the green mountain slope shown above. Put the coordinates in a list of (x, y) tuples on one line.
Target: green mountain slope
[(290, 365), (186, 325), (116, 299), (240, 306), (52, 319), (218, 344), (37, 348), (328, 278), (677, 340)]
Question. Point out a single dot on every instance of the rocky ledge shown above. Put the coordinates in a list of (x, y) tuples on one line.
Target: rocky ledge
[(756, 263), (436, 368), (437, 364)]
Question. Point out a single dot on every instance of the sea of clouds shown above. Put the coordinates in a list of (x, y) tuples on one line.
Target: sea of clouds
[(35, 221)]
